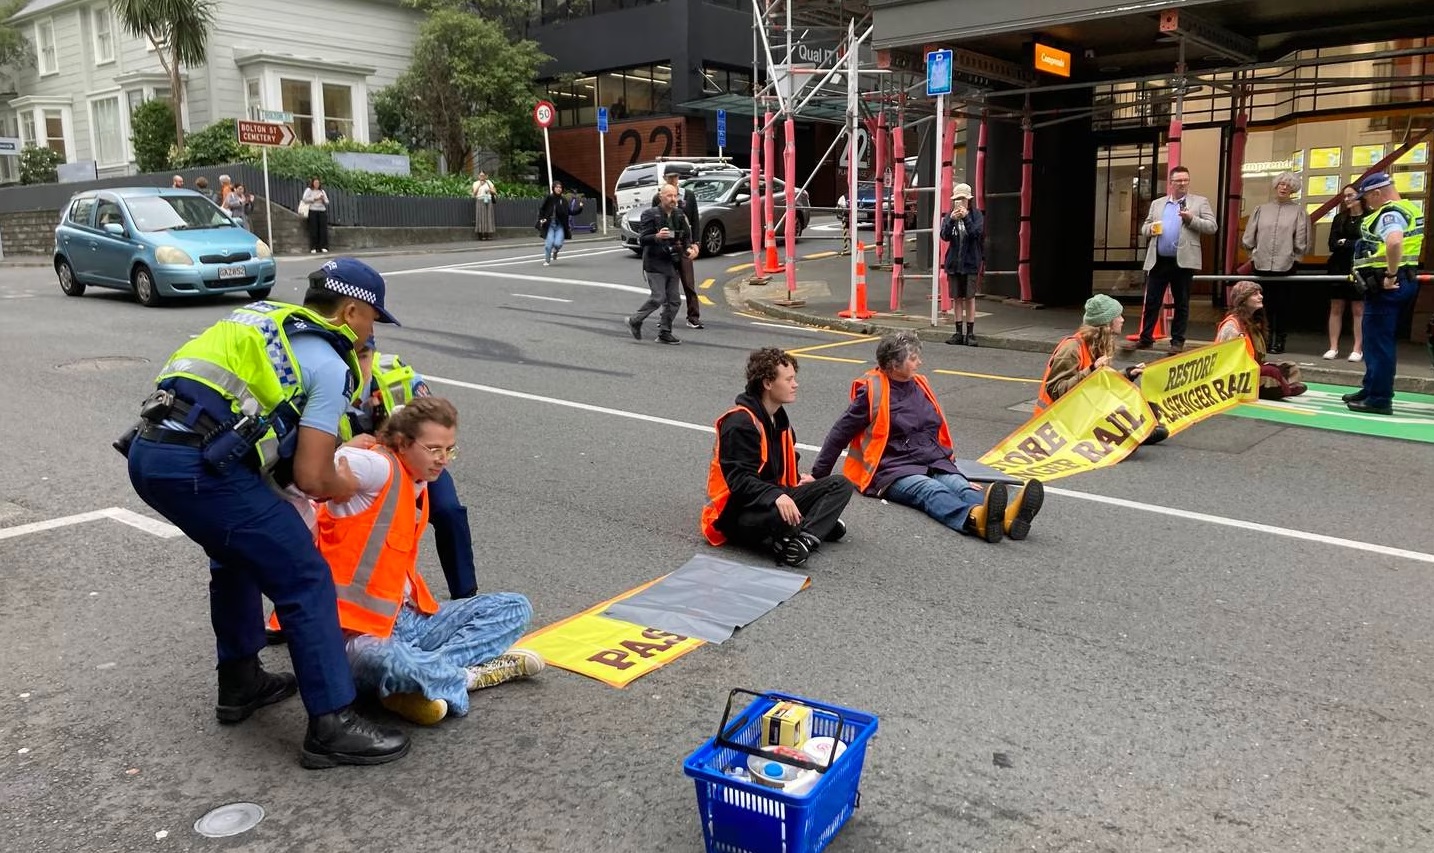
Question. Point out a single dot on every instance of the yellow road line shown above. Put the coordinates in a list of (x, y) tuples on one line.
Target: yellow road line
[(704, 300), (831, 358), (989, 376), (830, 345), (814, 256), (739, 268), (775, 320), (706, 284)]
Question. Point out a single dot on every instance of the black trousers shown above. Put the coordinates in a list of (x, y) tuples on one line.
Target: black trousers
[(1277, 302), (821, 503), (318, 230), (694, 307), (1166, 273)]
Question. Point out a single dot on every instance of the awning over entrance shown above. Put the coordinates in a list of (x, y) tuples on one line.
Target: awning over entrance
[(819, 109)]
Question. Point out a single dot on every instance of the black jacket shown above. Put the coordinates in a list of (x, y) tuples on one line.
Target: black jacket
[(753, 485), (658, 255), (688, 207), (1341, 254), (556, 206)]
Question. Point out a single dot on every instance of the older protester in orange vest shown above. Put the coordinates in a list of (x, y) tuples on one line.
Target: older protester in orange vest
[(421, 657), (1087, 350), (899, 447), (754, 493)]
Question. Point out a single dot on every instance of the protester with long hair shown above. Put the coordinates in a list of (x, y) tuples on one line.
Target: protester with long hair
[(1246, 319), (1088, 349)]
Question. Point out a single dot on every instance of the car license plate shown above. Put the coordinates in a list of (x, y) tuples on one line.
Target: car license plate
[(232, 272)]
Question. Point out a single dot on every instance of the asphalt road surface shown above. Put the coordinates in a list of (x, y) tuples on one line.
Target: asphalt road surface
[(1222, 644)]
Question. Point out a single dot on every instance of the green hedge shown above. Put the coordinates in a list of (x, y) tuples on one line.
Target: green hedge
[(218, 144)]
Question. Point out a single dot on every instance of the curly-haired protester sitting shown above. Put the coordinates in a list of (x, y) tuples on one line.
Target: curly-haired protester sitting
[(1246, 319), (900, 448), (755, 495)]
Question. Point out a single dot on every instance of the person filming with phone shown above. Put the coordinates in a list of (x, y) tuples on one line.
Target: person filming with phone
[(1174, 226)]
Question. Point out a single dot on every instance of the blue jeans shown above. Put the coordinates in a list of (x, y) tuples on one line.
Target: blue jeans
[(452, 536), (1381, 345), (554, 241), (948, 498), (258, 546), (431, 654)]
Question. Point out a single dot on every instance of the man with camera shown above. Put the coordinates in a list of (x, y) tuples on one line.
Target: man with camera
[(666, 238)]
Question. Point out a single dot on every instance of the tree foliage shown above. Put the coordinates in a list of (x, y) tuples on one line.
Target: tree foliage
[(215, 145), (153, 135), (40, 165), (470, 84), (14, 46), (179, 32)]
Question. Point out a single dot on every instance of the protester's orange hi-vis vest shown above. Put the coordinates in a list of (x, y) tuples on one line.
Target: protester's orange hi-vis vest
[(1043, 397), (865, 451), (717, 489), (1232, 322)]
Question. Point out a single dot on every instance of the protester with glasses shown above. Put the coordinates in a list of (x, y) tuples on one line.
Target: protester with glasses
[(422, 658)]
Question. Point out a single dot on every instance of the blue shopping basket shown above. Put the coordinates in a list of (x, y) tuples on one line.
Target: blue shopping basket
[(741, 816)]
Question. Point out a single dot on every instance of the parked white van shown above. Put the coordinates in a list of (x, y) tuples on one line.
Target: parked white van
[(638, 183)]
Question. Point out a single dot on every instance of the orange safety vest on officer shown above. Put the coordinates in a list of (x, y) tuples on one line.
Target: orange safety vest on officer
[(1043, 397), (719, 491), (864, 454), (373, 555)]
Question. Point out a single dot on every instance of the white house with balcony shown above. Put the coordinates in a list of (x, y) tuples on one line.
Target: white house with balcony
[(320, 60)]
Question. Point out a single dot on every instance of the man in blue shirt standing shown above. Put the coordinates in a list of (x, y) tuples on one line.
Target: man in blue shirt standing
[(1176, 221)]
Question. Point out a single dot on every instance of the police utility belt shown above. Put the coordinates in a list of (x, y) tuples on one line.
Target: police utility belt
[(223, 443)]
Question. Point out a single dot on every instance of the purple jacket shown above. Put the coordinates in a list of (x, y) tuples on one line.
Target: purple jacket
[(911, 448)]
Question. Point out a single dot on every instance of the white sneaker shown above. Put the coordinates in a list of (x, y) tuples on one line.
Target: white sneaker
[(517, 663), (546, 263), (1356, 356), (1330, 354)]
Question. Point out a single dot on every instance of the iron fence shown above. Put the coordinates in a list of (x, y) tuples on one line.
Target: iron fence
[(345, 208)]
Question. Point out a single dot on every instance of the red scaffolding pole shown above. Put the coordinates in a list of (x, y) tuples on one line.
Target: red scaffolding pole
[(878, 129), (948, 154), (1028, 151), (898, 222), (755, 202), (789, 216)]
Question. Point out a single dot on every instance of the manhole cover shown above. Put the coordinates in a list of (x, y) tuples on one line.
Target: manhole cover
[(232, 819), (104, 362)]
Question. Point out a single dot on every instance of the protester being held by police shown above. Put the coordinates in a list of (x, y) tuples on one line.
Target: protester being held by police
[(666, 238), (1391, 239), (249, 407), (899, 447), (1246, 319), (420, 657), (755, 494), (1344, 235), (1088, 349), (1277, 236)]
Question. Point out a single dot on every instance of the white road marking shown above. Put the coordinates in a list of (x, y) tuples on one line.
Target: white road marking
[(499, 262), (162, 529), (1189, 515), (544, 298), (629, 288)]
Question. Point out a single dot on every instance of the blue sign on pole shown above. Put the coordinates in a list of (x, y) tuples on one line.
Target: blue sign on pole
[(602, 119), (721, 128), (938, 73)]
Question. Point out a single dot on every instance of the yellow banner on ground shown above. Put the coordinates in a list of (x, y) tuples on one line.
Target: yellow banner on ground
[(1185, 389), (610, 650), (1094, 425)]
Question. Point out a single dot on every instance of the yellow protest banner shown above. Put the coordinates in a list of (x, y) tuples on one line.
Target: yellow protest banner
[(609, 650), (1184, 389), (1094, 425)]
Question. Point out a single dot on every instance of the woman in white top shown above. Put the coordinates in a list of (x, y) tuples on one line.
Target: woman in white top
[(484, 194), (1277, 236), (318, 202)]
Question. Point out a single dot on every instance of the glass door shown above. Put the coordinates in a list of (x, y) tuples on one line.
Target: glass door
[(1126, 182)]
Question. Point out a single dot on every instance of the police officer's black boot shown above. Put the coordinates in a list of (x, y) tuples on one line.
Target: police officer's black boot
[(344, 737), (245, 687)]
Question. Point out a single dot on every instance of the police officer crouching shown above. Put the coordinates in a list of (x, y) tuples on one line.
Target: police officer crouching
[(250, 407)]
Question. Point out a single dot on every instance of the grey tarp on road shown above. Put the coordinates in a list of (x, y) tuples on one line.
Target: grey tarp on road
[(708, 598)]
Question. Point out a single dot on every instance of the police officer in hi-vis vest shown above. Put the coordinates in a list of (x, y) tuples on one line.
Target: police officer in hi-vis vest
[(247, 409), (388, 384), (1387, 262)]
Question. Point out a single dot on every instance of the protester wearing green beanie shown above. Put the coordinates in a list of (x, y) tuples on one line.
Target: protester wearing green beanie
[(1100, 310)]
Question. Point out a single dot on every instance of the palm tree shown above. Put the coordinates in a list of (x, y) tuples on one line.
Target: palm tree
[(179, 32)]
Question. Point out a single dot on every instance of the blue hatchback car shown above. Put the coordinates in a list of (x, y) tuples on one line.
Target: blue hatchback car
[(159, 244)]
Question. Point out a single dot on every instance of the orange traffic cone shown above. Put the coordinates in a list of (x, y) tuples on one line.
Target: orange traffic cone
[(1161, 332), (772, 265), (861, 312)]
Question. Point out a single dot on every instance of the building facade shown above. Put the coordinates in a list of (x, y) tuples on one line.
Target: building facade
[(319, 59)]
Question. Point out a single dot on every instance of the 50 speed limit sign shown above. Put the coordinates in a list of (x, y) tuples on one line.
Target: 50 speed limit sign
[(544, 113)]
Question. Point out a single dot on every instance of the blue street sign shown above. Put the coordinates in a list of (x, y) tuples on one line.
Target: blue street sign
[(721, 128), (938, 73), (602, 119)]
